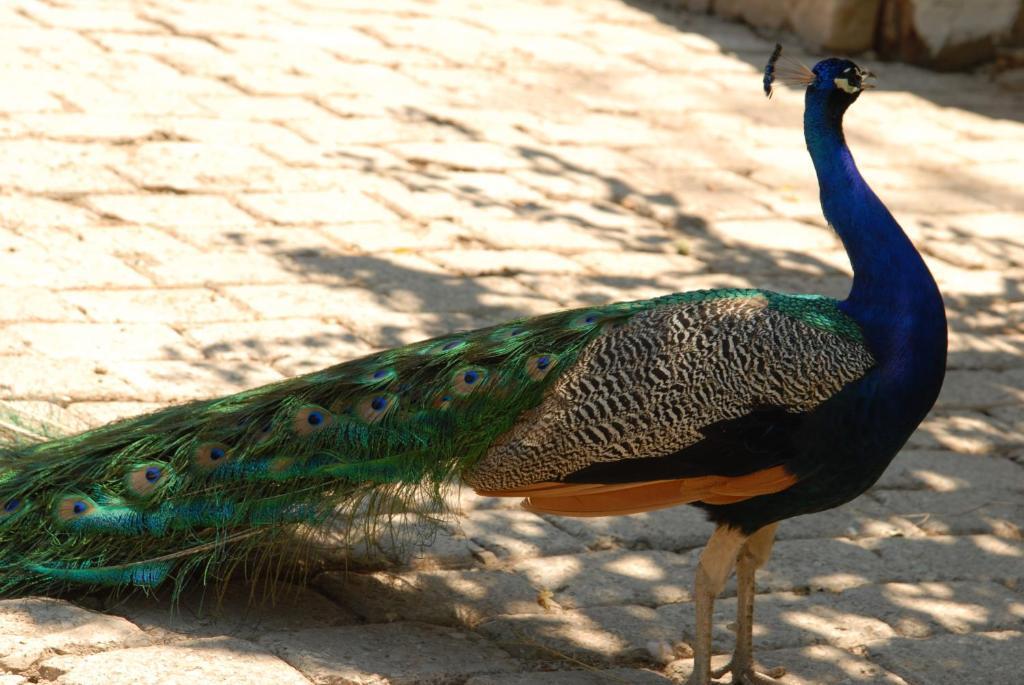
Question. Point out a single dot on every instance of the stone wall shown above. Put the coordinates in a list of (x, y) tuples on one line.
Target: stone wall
[(942, 34)]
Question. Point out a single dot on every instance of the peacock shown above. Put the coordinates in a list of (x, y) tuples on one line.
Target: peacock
[(753, 405)]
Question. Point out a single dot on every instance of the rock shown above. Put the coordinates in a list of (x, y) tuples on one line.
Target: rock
[(946, 34), (1012, 79), (33, 628), (835, 25)]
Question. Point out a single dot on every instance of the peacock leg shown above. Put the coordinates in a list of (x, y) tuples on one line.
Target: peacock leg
[(752, 556), (716, 563)]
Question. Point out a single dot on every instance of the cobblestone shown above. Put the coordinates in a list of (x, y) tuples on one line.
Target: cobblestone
[(202, 197)]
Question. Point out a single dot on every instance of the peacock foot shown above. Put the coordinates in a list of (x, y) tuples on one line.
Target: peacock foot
[(746, 675)]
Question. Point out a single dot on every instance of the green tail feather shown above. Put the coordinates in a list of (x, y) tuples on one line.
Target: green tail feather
[(197, 486)]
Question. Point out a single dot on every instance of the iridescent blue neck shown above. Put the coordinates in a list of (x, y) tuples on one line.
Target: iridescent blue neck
[(894, 297)]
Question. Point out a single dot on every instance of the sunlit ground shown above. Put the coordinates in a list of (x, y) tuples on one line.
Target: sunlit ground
[(201, 197)]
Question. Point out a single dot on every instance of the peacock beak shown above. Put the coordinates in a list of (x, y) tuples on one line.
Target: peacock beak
[(864, 83)]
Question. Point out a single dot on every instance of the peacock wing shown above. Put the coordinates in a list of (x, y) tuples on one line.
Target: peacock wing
[(698, 399)]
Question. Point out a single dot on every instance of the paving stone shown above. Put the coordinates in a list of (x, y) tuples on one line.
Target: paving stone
[(35, 628), (953, 659), (969, 432), (788, 620), (981, 389), (943, 471), (24, 378), (239, 609), (600, 635), (192, 305), (833, 565), (307, 208), (502, 262), (26, 214), (610, 578), (672, 529), (962, 512), (923, 609), (36, 166), (515, 534), (178, 381), (272, 340), (619, 676), (863, 517), (102, 342), (167, 209), (815, 665), (36, 304), (219, 659), (396, 653), (438, 597), (947, 558), (98, 413)]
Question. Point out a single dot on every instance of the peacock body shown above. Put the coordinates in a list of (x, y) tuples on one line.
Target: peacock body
[(754, 405)]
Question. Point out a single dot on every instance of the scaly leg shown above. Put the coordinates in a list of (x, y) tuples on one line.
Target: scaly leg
[(752, 556), (716, 563)]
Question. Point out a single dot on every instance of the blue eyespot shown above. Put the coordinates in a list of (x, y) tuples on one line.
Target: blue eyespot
[(380, 373), (11, 505), (451, 345), (540, 366), (315, 418), (215, 454), (467, 380), (79, 507), (377, 407), (153, 474), (590, 319)]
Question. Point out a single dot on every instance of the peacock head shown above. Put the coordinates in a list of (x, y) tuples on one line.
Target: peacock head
[(839, 80), (841, 75)]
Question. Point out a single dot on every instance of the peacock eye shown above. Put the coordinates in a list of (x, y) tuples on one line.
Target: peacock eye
[(468, 380), (144, 480), (539, 366), (375, 408), (12, 505), (310, 419)]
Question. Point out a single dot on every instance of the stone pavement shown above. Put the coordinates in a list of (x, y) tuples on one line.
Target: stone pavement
[(203, 196)]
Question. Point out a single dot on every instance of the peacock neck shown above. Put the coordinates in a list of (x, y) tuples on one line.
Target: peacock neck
[(894, 298)]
